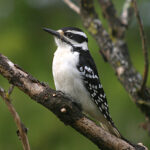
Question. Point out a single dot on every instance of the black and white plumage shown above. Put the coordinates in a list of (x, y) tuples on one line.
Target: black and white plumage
[(75, 74)]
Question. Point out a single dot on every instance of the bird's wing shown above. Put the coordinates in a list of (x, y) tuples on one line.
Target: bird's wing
[(89, 73)]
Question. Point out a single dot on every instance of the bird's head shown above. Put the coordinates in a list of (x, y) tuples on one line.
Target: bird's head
[(69, 36)]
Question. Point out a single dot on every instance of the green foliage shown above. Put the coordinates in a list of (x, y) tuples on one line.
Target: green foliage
[(24, 42)]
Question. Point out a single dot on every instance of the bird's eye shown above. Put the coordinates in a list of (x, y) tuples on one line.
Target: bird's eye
[(69, 35)]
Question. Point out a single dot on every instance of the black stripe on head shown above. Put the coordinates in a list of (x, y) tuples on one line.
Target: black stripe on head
[(76, 37)]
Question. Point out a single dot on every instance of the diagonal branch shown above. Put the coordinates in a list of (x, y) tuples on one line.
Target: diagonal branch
[(118, 25), (94, 26), (21, 128), (115, 23), (72, 6), (144, 46), (61, 106)]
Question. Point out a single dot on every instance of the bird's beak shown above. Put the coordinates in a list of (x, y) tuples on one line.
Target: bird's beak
[(58, 33)]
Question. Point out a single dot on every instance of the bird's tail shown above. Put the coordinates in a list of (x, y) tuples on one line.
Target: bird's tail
[(110, 128), (113, 130)]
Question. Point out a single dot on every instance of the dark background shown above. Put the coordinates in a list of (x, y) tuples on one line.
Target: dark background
[(24, 42)]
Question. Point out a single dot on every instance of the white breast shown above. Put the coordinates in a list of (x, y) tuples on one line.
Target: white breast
[(64, 68)]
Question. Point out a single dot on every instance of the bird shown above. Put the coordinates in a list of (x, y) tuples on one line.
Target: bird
[(75, 74)]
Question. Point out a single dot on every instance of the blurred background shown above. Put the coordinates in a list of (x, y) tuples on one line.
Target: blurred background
[(24, 42)]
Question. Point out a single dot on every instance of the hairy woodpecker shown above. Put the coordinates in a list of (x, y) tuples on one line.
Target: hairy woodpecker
[(75, 74)]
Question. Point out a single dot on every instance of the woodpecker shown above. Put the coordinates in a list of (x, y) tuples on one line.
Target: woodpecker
[(75, 74)]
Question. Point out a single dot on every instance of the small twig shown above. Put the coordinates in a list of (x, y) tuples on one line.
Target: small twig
[(21, 128), (72, 6), (144, 45), (127, 12)]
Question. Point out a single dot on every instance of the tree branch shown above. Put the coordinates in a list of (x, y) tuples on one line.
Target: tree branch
[(144, 46), (21, 128), (116, 53), (66, 110), (115, 23), (72, 6)]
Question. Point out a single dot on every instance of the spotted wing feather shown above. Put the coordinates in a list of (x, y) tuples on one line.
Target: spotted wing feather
[(92, 83)]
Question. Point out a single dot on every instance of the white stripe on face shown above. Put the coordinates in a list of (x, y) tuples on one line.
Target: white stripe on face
[(77, 32)]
